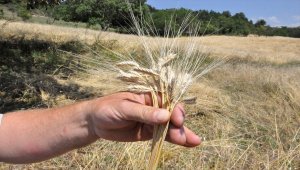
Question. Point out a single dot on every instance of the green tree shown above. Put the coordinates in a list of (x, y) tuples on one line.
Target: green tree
[(22, 10), (107, 13), (173, 20), (227, 14), (260, 23), (1, 13)]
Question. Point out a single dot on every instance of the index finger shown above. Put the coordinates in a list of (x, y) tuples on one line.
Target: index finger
[(178, 113)]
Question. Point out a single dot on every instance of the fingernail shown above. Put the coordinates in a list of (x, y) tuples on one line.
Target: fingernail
[(162, 115)]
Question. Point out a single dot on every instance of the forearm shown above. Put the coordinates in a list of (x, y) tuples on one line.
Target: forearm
[(36, 135)]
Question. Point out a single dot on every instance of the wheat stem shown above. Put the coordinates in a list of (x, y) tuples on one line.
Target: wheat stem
[(160, 131)]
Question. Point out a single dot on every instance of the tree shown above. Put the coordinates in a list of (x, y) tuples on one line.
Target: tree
[(260, 23), (1, 13), (32, 4), (226, 14), (106, 13), (240, 16), (203, 15), (116, 14)]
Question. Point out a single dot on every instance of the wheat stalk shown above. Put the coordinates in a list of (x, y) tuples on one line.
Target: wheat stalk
[(170, 71), (166, 69), (167, 77)]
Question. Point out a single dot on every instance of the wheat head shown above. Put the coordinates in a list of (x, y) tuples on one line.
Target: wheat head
[(166, 69)]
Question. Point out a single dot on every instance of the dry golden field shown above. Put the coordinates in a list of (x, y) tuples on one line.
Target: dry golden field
[(247, 111)]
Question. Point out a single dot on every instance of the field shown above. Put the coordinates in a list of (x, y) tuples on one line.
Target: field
[(247, 110)]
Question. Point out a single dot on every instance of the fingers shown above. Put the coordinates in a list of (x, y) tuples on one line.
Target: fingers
[(140, 132), (142, 113), (150, 115), (143, 98), (178, 115), (183, 136), (148, 99), (138, 111)]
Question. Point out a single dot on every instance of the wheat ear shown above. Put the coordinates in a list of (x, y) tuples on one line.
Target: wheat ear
[(166, 70)]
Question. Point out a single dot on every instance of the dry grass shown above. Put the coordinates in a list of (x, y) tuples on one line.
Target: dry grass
[(271, 50), (247, 111)]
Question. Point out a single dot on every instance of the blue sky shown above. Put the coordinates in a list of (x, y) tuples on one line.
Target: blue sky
[(275, 12)]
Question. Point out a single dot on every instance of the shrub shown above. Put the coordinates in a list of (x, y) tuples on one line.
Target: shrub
[(23, 12), (1, 13)]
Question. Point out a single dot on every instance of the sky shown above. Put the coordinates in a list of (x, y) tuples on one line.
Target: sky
[(275, 12)]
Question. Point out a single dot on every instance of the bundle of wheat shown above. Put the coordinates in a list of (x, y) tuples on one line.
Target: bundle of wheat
[(166, 70)]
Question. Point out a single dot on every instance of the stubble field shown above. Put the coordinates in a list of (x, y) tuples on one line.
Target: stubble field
[(247, 110)]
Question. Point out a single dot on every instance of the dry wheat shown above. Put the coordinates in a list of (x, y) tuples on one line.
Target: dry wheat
[(168, 72)]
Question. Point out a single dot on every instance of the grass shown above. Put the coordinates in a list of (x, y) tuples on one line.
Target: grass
[(247, 111), (38, 16)]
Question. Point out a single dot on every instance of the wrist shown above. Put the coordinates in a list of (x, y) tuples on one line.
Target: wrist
[(95, 114), (87, 111), (92, 109), (77, 128)]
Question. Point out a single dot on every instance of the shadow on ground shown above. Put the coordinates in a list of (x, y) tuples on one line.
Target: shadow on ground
[(26, 75), (23, 91)]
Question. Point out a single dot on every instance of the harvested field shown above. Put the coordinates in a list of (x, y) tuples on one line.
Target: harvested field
[(247, 110)]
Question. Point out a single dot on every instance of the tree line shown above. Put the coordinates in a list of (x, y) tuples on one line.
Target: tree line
[(115, 14)]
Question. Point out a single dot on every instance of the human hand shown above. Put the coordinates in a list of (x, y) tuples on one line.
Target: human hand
[(128, 117)]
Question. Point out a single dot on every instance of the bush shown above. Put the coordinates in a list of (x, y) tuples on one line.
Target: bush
[(23, 12), (1, 13)]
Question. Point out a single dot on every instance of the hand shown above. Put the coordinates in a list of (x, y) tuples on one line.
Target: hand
[(128, 117), (41, 134)]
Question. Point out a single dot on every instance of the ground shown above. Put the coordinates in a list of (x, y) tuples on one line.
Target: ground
[(247, 110)]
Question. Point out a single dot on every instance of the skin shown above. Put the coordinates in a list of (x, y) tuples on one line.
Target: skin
[(38, 135)]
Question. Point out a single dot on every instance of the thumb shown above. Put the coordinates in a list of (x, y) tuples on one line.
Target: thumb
[(145, 114)]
